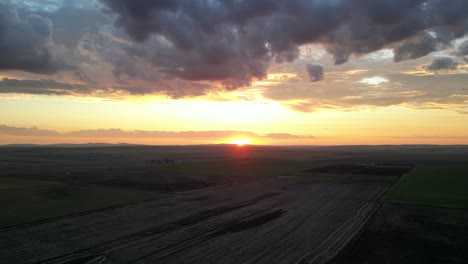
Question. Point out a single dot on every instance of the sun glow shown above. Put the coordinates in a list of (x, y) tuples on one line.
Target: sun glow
[(240, 142)]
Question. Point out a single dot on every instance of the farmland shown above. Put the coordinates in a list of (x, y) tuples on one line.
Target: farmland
[(408, 234), (433, 185), (24, 201), (191, 167), (224, 204), (257, 222), (423, 220)]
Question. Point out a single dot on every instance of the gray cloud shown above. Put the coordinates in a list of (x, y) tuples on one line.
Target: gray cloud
[(315, 72), (25, 42), (70, 23), (42, 86), (423, 44), (234, 41), (442, 63), (462, 49), (173, 88), (49, 5)]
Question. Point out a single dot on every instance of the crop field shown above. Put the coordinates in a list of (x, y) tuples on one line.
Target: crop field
[(24, 201), (10, 183), (433, 185), (189, 176), (223, 204), (424, 218), (409, 154), (364, 169), (243, 167), (344, 178), (263, 221), (405, 234), (354, 173), (167, 169)]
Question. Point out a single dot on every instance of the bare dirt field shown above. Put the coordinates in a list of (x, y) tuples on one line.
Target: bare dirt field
[(262, 221)]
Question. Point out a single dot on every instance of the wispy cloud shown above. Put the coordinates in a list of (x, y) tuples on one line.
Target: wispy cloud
[(41, 86), (27, 131), (119, 133)]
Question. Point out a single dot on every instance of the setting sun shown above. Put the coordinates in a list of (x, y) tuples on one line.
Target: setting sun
[(240, 142)]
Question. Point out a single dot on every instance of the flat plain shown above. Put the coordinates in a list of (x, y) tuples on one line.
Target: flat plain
[(228, 204), (258, 222), (24, 201), (432, 185), (409, 234)]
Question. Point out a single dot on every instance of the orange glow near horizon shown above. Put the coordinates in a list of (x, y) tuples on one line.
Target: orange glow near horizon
[(222, 123), (240, 142)]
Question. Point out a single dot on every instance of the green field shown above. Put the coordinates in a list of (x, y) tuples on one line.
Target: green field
[(344, 178), (432, 185), (9, 183), (243, 167), (24, 201)]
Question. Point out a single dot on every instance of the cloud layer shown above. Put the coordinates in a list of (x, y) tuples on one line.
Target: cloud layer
[(118, 133), (185, 48), (236, 40)]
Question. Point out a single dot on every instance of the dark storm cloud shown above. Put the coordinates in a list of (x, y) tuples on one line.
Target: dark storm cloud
[(422, 44), (462, 49), (70, 19), (442, 63), (156, 43), (71, 23), (315, 72), (25, 41), (235, 40), (43, 86)]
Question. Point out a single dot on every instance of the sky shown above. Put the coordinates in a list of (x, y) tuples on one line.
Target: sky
[(297, 72)]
